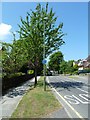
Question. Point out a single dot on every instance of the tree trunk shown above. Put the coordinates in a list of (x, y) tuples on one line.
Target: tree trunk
[(35, 71)]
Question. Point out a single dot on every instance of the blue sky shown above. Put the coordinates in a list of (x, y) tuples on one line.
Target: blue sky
[(73, 15)]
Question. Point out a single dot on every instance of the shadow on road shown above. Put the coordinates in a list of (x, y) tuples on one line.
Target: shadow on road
[(67, 84)]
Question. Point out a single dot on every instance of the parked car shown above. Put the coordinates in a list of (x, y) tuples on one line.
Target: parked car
[(83, 71)]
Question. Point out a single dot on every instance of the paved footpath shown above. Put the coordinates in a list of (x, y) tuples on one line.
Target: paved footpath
[(10, 101)]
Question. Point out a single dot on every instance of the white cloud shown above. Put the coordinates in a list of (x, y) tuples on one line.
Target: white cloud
[(4, 30)]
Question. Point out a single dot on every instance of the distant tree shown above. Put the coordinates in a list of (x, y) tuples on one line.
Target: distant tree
[(75, 67), (34, 30), (70, 66), (63, 67), (55, 60)]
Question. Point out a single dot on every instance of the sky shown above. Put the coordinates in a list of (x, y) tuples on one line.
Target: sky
[(74, 16)]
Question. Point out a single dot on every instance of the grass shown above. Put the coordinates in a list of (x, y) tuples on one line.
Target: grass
[(37, 103), (74, 77)]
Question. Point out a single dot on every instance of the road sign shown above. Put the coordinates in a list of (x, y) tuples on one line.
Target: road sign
[(44, 61)]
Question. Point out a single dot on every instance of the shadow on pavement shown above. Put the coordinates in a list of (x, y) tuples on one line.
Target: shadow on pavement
[(67, 84), (19, 91)]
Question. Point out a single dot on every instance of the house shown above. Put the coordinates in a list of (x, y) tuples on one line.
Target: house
[(84, 64)]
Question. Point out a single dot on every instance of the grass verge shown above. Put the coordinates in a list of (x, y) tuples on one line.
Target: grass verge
[(74, 77), (37, 103)]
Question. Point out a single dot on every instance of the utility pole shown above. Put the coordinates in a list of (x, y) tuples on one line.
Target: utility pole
[(44, 61)]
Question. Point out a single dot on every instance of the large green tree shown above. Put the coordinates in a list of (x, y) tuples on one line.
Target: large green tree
[(6, 62), (67, 67), (13, 57), (55, 60), (38, 32)]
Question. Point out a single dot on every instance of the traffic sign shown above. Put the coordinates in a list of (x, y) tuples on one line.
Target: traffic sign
[(44, 61)]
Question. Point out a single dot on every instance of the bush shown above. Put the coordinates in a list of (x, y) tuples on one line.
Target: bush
[(75, 72), (13, 75)]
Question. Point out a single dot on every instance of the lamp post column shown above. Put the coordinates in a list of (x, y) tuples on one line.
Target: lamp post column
[(44, 65)]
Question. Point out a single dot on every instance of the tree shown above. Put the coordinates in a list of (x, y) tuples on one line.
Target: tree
[(55, 60), (17, 55), (38, 33), (63, 67), (75, 67), (13, 57), (70, 66), (6, 62)]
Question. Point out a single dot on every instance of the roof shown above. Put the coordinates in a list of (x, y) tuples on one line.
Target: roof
[(88, 58)]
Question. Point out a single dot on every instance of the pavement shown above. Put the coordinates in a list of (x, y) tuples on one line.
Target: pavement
[(10, 101)]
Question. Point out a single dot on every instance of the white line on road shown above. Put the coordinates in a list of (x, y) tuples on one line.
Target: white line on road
[(82, 90), (66, 102)]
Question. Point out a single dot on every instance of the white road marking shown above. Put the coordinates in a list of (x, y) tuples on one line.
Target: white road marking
[(83, 96), (78, 114), (83, 102), (82, 90), (71, 99), (68, 104)]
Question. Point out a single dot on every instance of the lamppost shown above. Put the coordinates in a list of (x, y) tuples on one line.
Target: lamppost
[(44, 63)]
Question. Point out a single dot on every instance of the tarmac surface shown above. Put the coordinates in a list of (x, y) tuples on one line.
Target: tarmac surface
[(72, 93)]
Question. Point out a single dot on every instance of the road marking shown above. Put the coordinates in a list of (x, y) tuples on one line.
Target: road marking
[(68, 104), (80, 100), (82, 90), (71, 99), (84, 96)]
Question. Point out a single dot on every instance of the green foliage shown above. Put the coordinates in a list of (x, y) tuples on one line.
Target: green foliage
[(33, 29), (13, 57), (75, 72), (63, 67), (15, 74), (75, 67), (37, 33), (68, 68), (55, 60)]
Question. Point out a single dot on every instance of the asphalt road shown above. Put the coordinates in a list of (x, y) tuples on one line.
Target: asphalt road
[(73, 94)]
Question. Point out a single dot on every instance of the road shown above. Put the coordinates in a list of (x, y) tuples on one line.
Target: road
[(73, 94)]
